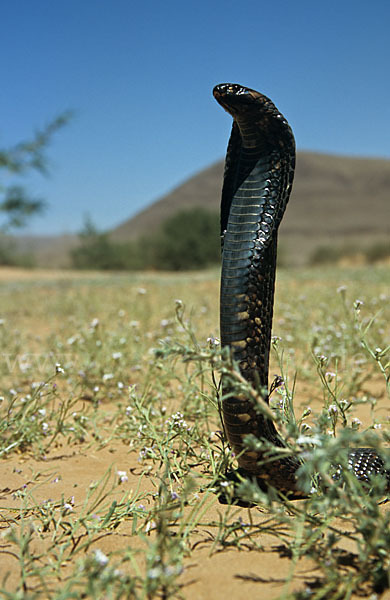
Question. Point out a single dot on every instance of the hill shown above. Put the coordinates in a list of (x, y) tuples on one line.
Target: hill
[(336, 200)]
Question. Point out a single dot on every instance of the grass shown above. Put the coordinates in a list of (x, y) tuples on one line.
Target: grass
[(112, 451)]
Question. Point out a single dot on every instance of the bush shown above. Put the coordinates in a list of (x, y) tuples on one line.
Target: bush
[(188, 240)]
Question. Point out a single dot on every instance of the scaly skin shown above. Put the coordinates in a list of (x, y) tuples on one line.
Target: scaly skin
[(259, 172)]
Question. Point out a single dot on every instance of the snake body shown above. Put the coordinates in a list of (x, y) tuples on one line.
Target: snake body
[(258, 177)]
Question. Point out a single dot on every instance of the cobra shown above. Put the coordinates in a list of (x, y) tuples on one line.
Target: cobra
[(258, 178)]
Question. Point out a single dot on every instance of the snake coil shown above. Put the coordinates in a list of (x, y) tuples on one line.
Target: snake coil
[(258, 178)]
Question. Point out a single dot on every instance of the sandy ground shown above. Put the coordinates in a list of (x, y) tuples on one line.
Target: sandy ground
[(261, 568), (244, 573)]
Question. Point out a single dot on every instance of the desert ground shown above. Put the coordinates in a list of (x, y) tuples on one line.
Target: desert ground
[(112, 450)]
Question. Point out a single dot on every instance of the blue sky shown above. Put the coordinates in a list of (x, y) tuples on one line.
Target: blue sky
[(139, 76)]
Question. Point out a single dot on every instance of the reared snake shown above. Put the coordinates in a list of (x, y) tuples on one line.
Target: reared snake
[(258, 178)]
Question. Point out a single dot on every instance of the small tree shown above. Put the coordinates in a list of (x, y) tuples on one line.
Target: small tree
[(16, 205), (189, 240)]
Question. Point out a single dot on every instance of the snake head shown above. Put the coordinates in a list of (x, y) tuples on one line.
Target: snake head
[(238, 100), (249, 108)]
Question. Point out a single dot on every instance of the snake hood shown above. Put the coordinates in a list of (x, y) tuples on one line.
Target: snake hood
[(245, 104)]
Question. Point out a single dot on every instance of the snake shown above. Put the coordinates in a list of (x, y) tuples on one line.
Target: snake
[(257, 183)]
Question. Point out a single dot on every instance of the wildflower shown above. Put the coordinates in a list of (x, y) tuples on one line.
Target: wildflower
[(378, 426), (356, 423), (332, 409), (149, 526), (179, 303), (67, 508), (42, 411), (154, 573), (330, 375), (141, 291), (122, 476), (213, 341), (164, 322), (59, 369), (94, 323), (108, 376), (116, 355), (100, 558), (134, 324), (342, 289), (174, 496), (121, 313)]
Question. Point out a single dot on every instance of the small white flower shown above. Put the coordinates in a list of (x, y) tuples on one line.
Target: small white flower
[(122, 476), (332, 409), (141, 291), (108, 376), (149, 526), (59, 369), (330, 375), (213, 341), (94, 323), (100, 558), (154, 573), (116, 355)]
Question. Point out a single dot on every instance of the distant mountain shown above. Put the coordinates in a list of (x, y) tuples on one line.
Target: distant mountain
[(336, 200)]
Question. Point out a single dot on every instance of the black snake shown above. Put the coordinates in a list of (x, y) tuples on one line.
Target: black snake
[(258, 177)]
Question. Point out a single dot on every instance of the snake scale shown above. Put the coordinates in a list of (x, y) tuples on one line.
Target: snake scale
[(258, 178)]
